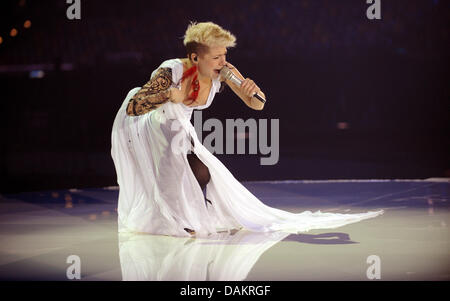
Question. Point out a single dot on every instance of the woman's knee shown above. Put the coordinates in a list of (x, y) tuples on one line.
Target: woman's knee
[(201, 172), (204, 177)]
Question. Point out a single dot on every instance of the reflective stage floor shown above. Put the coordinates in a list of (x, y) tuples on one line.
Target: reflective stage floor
[(40, 231)]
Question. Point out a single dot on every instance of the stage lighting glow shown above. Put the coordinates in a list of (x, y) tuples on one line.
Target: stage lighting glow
[(68, 197), (1, 40), (343, 125), (37, 74), (13, 32), (27, 24)]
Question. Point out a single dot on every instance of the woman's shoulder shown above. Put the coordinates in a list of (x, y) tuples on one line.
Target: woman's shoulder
[(175, 66), (171, 63)]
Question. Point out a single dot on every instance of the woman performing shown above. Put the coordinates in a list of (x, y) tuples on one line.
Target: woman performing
[(162, 168)]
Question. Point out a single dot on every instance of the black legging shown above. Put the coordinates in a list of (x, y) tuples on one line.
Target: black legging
[(202, 175), (199, 169)]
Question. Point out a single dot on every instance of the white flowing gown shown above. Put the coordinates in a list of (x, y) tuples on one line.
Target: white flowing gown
[(159, 194)]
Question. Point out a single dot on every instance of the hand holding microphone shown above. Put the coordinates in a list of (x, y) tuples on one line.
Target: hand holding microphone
[(247, 85)]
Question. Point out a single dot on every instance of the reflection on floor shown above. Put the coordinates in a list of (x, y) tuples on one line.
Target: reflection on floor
[(411, 241)]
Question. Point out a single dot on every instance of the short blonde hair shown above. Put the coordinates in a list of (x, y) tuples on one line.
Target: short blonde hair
[(208, 34)]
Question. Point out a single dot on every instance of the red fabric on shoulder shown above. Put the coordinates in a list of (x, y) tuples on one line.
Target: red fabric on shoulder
[(195, 85)]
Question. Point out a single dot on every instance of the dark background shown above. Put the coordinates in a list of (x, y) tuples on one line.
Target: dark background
[(319, 63)]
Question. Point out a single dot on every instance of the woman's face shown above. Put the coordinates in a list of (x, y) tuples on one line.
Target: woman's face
[(210, 63)]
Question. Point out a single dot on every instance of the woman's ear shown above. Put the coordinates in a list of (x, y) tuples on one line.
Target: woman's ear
[(194, 57)]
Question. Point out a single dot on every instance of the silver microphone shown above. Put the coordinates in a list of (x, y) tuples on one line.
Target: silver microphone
[(226, 73)]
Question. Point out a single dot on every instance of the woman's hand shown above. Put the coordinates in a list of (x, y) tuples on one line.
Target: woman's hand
[(249, 88), (246, 90), (180, 95), (176, 95), (229, 65)]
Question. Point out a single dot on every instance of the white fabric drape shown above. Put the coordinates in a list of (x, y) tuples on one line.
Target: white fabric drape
[(160, 195)]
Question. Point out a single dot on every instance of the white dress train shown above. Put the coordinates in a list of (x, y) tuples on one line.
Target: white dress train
[(159, 194)]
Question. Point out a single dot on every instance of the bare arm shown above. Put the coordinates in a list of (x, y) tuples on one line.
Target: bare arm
[(153, 94), (246, 90)]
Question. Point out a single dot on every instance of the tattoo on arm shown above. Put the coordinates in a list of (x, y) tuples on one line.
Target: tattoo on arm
[(153, 94)]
